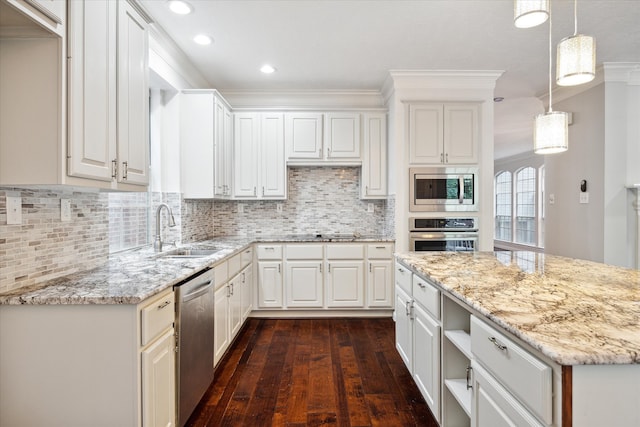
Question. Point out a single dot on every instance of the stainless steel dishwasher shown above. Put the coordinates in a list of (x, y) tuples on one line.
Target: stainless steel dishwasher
[(194, 327)]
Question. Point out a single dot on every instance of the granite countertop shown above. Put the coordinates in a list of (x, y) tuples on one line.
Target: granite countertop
[(132, 276), (573, 311)]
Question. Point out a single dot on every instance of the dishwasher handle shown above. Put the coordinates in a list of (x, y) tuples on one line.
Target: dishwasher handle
[(197, 292)]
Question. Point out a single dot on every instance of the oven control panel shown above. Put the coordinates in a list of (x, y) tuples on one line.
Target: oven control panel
[(442, 224)]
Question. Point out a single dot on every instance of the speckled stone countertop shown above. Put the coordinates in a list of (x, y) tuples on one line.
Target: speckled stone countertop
[(132, 276), (574, 311)]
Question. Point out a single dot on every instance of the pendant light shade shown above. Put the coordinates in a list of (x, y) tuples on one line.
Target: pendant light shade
[(529, 13), (551, 132), (576, 60)]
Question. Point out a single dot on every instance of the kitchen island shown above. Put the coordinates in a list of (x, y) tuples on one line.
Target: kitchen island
[(577, 321)]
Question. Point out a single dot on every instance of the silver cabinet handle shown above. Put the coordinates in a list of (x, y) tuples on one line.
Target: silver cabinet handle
[(497, 343), (469, 384), (125, 170), (407, 307), (114, 168), (422, 285), (460, 189), (441, 157), (446, 158), (163, 305)]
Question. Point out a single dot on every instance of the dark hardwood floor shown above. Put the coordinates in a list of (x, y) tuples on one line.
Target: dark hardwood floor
[(311, 372)]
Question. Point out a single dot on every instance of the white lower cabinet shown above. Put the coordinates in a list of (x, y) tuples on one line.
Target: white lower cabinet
[(404, 339), (426, 356), (89, 364), (232, 300), (304, 283), (493, 406), (158, 382), (380, 283), (270, 284), (345, 283)]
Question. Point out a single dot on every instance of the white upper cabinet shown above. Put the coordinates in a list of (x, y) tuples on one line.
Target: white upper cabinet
[(373, 175), (109, 93), (303, 135), (342, 136), (205, 144), (443, 133), (92, 94), (317, 138), (260, 170), (133, 96)]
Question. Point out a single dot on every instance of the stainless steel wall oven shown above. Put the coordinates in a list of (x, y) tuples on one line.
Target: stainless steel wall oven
[(443, 234)]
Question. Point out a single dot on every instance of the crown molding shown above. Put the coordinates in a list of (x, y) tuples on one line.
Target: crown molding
[(304, 99)]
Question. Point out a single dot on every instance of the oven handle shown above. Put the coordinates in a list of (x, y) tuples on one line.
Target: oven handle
[(460, 189)]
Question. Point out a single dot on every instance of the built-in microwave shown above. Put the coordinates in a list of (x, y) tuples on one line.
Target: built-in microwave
[(442, 189)]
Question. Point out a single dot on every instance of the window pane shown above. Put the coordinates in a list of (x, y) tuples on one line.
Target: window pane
[(503, 186), (526, 206)]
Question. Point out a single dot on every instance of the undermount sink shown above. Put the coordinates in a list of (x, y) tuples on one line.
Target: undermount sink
[(189, 253)]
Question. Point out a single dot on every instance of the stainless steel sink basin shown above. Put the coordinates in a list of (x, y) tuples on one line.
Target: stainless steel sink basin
[(189, 253)]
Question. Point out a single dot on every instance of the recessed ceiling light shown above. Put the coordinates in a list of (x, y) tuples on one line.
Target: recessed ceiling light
[(180, 7), (267, 69), (202, 39)]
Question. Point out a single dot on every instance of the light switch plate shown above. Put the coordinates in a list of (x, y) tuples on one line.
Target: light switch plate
[(240, 208), (65, 210), (552, 199), (14, 210), (370, 207), (279, 207)]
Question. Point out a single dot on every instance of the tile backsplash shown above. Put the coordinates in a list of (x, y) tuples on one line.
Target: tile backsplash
[(320, 200), (43, 247)]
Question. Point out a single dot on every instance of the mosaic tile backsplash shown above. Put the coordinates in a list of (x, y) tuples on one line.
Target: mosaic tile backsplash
[(43, 247), (321, 200)]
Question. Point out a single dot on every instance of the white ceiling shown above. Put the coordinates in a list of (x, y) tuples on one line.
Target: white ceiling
[(352, 44)]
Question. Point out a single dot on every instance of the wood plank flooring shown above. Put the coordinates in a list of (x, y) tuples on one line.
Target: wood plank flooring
[(311, 372)]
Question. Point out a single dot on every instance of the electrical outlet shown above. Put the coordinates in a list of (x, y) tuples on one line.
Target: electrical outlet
[(14, 210), (240, 208), (584, 197), (65, 210), (370, 207), (279, 207)]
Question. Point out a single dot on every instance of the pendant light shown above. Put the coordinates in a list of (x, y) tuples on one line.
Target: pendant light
[(551, 129), (530, 13), (576, 57)]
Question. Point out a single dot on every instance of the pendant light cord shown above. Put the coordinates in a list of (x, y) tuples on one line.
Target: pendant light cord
[(575, 17), (550, 64)]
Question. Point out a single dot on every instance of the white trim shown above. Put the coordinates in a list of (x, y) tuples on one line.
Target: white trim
[(320, 313), (301, 100)]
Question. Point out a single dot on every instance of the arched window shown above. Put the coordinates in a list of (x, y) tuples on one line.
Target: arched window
[(526, 206), (503, 199)]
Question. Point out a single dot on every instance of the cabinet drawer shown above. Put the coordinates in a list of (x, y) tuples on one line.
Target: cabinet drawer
[(403, 278), (269, 251), (380, 251), (304, 251), (247, 257), (427, 295), (220, 274), (235, 264), (157, 316), (519, 372), (343, 251)]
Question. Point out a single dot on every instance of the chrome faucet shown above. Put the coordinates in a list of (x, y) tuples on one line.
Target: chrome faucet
[(157, 243)]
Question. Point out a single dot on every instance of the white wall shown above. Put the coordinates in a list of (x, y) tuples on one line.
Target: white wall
[(604, 149), (573, 229)]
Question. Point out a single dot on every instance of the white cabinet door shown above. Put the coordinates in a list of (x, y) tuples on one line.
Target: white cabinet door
[(303, 283), (426, 357), (342, 136), (235, 305), (380, 283), (461, 133), (345, 284), (221, 337), (270, 284), (373, 175), (426, 133), (158, 382), (223, 149), (92, 89), (404, 331), (493, 406), (246, 137), (247, 291), (303, 135), (133, 96), (198, 122), (273, 173)]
